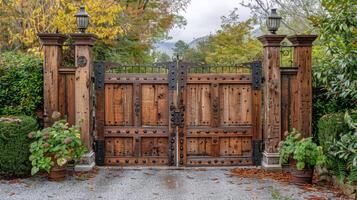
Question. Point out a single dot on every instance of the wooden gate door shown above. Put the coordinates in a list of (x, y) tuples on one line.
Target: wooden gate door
[(177, 113), (221, 105), (134, 107)]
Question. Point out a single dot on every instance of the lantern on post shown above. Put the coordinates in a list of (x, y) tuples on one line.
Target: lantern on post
[(273, 21), (82, 19)]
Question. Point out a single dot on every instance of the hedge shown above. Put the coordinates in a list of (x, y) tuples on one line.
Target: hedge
[(330, 126), (21, 84), (14, 145)]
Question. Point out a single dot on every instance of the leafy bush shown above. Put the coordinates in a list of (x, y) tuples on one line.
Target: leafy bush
[(330, 126), (288, 146), (304, 151), (14, 145), (21, 84), (55, 146), (342, 151), (307, 154)]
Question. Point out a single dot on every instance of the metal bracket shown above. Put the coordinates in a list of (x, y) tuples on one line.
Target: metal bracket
[(99, 152), (137, 106), (256, 75), (257, 152), (99, 75), (177, 118), (172, 76), (82, 61)]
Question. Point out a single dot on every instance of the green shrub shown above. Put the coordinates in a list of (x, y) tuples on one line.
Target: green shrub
[(21, 84), (338, 135), (331, 126), (14, 145)]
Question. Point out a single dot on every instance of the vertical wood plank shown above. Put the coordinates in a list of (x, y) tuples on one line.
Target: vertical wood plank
[(52, 61), (302, 59)]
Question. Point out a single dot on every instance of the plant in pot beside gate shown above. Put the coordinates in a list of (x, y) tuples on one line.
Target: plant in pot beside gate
[(306, 156), (52, 148), (286, 149)]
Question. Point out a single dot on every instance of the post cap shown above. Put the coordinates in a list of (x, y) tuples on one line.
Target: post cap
[(52, 39), (271, 40), (84, 39), (302, 40)]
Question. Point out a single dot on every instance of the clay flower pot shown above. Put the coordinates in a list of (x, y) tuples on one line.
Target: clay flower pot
[(57, 173), (301, 177)]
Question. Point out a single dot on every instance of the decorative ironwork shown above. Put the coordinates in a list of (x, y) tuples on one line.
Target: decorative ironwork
[(182, 75), (257, 152), (256, 75), (286, 55), (137, 106), (218, 68), (157, 68), (172, 76), (82, 61), (99, 75), (100, 152), (177, 118)]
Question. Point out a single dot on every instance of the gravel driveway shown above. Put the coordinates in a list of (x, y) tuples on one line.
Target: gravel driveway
[(146, 183)]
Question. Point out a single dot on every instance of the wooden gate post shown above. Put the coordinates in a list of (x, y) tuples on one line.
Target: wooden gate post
[(83, 96), (52, 43), (272, 100), (302, 60)]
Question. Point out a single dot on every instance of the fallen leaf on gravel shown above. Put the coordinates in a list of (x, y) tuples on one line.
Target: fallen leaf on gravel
[(14, 181), (248, 189), (261, 188), (214, 179), (12, 194), (315, 197), (149, 174), (190, 177), (200, 169), (309, 187)]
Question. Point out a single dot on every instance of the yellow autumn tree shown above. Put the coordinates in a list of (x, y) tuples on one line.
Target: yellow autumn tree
[(21, 20)]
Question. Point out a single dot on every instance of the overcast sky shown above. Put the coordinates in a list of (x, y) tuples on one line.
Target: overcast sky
[(204, 17)]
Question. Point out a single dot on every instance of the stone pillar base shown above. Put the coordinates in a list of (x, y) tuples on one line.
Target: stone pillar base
[(271, 161), (86, 163)]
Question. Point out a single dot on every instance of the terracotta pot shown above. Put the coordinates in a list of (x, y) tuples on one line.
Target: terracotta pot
[(57, 173), (301, 177), (286, 168)]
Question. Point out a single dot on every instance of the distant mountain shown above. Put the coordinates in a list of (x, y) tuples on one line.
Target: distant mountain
[(165, 47), (194, 42)]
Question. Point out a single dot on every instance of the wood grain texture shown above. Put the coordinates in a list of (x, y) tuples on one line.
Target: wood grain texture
[(83, 95), (52, 62), (66, 91), (303, 83), (272, 99)]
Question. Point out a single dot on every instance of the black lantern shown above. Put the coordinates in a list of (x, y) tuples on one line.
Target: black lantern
[(82, 19), (273, 21)]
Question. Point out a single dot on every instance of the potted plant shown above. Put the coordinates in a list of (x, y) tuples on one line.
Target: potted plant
[(287, 147), (53, 147), (306, 156)]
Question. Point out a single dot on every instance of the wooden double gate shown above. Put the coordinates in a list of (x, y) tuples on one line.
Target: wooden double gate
[(178, 114)]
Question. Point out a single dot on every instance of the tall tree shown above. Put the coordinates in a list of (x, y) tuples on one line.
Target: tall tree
[(338, 35), (296, 14), (180, 48), (130, 25)]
